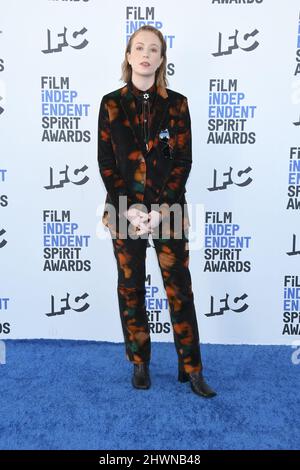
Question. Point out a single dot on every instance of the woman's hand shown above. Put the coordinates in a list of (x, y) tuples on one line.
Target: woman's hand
[(155, 218), (144, 222), (136, 217)]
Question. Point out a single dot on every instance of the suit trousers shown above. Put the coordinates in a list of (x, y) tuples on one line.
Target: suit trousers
[(173, 258)]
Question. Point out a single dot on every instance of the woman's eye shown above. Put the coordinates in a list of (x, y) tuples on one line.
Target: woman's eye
[(140, 47)]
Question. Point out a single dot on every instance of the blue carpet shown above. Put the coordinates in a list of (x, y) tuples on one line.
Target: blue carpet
[(58, 394)]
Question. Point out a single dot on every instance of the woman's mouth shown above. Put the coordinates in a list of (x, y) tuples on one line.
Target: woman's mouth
[(145, 64)]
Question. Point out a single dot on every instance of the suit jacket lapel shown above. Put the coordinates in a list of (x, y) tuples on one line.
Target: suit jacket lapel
[(159, 112)]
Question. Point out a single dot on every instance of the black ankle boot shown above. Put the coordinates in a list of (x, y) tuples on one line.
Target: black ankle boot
[(198, 384), (141, 376)]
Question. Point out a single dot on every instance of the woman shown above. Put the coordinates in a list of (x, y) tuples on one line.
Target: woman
[(145, 156)]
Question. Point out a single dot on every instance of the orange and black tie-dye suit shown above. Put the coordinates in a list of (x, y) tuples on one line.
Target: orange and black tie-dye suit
[(130, 254)]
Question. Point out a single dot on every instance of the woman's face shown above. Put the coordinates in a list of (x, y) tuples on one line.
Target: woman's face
[(145, 54)]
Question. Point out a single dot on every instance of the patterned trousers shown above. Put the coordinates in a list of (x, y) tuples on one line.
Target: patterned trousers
[(173, 259)]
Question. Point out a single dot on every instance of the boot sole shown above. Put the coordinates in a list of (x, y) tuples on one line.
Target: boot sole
[(140, 387)]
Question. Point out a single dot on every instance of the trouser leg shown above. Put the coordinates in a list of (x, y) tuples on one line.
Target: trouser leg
[(130, 255), (173, 258)]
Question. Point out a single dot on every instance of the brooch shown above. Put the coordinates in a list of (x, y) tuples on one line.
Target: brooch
[(164, 137)]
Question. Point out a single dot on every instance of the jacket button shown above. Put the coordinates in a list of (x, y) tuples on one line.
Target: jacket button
[(142, 181)]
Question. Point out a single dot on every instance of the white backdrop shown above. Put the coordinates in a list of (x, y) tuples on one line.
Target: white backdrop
[(247, 177)]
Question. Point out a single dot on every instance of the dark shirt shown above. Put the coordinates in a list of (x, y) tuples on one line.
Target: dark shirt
[(144, 101)]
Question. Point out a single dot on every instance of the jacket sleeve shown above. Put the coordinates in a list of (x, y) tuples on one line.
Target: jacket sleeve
[(174, 187), (110, 174)]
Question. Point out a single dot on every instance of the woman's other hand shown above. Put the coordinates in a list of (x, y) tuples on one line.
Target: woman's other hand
[(136, 216)]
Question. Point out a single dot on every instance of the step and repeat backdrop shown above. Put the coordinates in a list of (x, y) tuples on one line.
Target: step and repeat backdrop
[(238, 62)]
